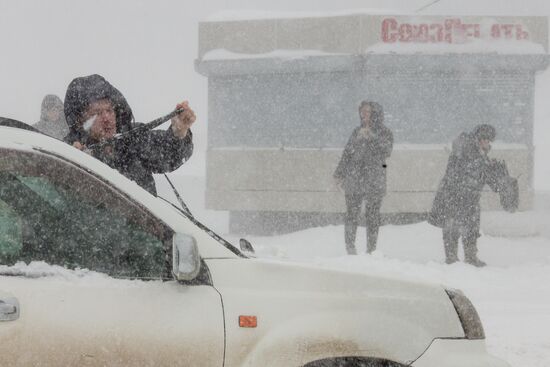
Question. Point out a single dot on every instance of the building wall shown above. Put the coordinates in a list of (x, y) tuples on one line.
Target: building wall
[(319, 109), (278, 121), (275, 139), (301, 180)]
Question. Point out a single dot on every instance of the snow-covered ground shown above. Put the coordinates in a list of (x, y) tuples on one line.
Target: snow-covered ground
[(512, 294)]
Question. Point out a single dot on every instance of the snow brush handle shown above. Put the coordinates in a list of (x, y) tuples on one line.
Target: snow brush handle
[(147, 126), (161, 120)]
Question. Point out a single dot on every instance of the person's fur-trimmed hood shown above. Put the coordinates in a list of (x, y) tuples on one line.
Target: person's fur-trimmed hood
[(84, 90)]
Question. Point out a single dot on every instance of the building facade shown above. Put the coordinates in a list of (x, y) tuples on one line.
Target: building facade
[(283, 97)]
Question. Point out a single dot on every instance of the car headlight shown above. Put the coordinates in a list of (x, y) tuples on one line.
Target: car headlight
[(471, 323)]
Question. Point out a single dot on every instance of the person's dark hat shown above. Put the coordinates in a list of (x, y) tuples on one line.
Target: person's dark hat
[(485, 131), (87, 89)]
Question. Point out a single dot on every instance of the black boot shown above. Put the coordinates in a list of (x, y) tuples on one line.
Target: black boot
[(470, 253), (351, 249), (371, 248), (451, 252), (475, 261), (372, 237)]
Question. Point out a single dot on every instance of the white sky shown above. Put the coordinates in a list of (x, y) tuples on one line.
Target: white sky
[(147, 49)]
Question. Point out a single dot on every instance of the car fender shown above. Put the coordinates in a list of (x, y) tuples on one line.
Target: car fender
[(307, 313), (317, 336)]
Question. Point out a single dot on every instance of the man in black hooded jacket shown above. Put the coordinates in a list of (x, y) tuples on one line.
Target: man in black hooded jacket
[(95, 111)]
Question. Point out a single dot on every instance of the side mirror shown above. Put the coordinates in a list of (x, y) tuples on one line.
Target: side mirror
[(246, 246), (186, 261)]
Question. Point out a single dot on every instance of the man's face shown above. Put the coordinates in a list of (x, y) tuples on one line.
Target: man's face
[(365, 113), (104, 125), (485, 145)]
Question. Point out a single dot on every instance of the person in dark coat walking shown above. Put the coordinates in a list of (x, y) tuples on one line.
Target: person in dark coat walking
[(96, 111), (52, 121), (361, 173), (456, 206)]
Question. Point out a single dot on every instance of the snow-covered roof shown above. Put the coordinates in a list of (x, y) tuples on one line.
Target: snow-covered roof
[(238, 15)]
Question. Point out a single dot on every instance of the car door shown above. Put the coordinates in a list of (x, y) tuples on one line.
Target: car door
[(85, 276)]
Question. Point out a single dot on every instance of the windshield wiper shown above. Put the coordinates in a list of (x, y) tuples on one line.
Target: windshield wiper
[(210, 232), (180, 200)]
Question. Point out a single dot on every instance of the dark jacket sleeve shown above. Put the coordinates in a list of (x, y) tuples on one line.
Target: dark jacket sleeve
[(494, 173), (383, 142), (342, 167), (455, 167), (161, 151), (467, 167)]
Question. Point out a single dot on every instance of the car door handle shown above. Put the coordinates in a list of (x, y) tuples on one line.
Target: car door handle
[(9, 309)]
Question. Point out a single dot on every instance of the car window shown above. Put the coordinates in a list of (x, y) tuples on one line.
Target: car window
[(57, 213)]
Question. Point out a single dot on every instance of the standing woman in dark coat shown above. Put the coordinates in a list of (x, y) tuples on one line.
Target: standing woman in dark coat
[(362, 173)]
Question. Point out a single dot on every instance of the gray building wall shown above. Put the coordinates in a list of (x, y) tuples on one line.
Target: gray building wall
[(277, 125)]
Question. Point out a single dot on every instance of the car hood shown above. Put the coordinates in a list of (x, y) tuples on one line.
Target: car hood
[(367, 313)]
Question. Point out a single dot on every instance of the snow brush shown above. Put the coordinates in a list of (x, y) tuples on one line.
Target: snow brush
[(144, 127)]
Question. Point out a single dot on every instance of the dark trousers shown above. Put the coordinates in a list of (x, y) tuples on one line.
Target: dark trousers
[(452, 231), (351, 220)]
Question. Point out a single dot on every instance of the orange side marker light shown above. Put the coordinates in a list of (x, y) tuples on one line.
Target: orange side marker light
[(248, 321)]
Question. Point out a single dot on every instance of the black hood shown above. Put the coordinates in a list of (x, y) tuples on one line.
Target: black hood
[(84, 90), (377, 115), (484, 131)]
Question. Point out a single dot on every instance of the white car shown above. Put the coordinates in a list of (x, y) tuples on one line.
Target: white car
[(95, 271)]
